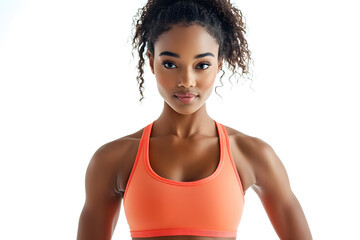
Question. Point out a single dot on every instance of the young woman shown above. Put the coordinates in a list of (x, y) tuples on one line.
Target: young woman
[(184, 175)]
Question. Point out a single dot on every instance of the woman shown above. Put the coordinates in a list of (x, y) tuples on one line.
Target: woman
[(184, 176)]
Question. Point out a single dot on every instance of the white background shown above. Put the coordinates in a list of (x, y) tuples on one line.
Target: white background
[(68, 86)]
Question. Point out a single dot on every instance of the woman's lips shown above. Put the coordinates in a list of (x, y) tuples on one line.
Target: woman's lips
[(186, 97)]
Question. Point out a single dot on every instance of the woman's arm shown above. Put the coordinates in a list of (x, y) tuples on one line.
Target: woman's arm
[(273, 187), (103, 202)]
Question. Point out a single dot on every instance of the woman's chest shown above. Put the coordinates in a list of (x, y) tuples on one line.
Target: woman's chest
[(184, 160), (194, 160)]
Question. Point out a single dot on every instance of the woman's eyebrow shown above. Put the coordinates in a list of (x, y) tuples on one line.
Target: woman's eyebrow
[(171, 54), (204, 55)]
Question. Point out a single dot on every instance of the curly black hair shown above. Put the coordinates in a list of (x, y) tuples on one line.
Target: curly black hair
[(220, 18)]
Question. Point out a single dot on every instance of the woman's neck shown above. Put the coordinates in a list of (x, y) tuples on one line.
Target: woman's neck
[(181, 125)]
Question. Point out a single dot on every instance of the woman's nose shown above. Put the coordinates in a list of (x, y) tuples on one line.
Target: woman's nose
[(187, 79)]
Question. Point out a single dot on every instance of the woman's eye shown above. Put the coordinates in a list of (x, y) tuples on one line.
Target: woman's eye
[(203, 66), (169, 65)]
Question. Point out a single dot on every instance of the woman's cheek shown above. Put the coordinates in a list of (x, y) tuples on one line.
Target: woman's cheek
[(163, 77), (209, 80), (165, 81)]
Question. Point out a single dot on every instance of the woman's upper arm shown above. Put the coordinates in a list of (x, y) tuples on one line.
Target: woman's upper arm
[(271, 177), (273, 187), (103, 199)]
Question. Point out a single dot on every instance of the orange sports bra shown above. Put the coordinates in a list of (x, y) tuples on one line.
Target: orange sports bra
[(209, 207)]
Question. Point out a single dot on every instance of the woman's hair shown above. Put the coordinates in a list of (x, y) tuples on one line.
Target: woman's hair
[(220, 18)]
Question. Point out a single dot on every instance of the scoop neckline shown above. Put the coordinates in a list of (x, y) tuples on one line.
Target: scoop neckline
[(179, 183)]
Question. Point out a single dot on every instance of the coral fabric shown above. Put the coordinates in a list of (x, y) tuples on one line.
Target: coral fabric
[(209, 207)]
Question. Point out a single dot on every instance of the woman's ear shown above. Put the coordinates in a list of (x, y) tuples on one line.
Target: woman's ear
[(220, 64), (151, 61)]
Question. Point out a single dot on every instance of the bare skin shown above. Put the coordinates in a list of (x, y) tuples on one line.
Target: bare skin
[(186, 131)]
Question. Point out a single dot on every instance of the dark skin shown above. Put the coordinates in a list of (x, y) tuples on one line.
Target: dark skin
[(186, 131)]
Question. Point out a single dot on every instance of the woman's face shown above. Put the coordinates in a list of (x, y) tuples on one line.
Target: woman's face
[(185, 63)]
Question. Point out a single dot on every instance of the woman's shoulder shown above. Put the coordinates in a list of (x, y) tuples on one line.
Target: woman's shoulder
[(256, 151), (115, 158), (120, 149), (252, 156), (250, 146), (243, 139)]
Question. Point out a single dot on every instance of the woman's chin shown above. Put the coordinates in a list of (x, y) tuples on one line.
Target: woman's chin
[(185, 109)]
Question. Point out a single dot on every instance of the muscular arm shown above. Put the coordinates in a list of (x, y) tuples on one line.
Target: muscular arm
[(103, 201), (273, 187)]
